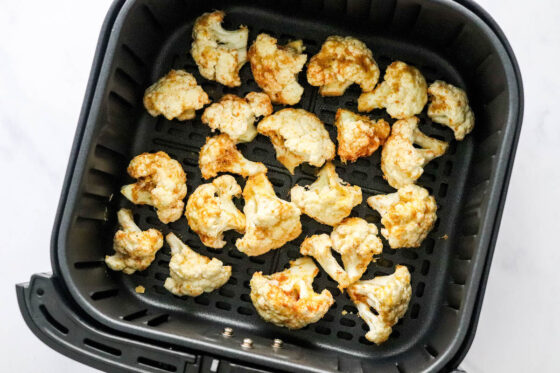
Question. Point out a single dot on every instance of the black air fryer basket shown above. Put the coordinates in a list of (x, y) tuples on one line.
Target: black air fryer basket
[(95, 316)]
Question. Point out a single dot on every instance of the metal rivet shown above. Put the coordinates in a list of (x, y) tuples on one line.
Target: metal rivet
[(228, 332), (247, 343), (277, 343)]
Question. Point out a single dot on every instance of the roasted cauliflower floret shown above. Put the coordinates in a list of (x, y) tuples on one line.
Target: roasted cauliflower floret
[(134, 249), (407, 215), (219, 154), (176, 95), (210, 211), (162, 183), (357, 242), (287, 298), (388, 296), (358, 136), (341, 62), (298, 136), (271, 221), (329, 199), (402, 163), (191, 273), (275, 68), (403, 92), (449, 106), (236, 116), (219, 53), (319, 247)]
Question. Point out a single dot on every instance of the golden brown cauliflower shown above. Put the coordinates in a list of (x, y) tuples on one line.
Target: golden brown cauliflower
[(219, 53), (388, 296), (319, 247), (407, 215), (210, 211), (329, 199), (298, 136), (402, 163), (358, 136), (191, 273), (134, 249), (275, 68), (236, 116), (341, 62), (287, 298), (450, 106), (219, 154), (403, 92), (271, 221), (176, 95), (162, 183)]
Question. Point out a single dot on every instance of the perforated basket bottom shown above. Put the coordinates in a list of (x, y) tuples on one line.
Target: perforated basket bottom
[(341, 329)]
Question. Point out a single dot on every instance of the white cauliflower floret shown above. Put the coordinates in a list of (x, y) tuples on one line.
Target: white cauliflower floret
[(319, 247), (162, 183), (402, 163), (220, 154), (210, 211), (270, 221), (134, 249), (176, 95), (287, 298), (236, 116), (407, 215), (275, 68), (388, 296), (219, 53), (403, 92), (191, 273), (450, 106), (359, 136), (329, 199), (341, 62), (298, 136), (357, 242)]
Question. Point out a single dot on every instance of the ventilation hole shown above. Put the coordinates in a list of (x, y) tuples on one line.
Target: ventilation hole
[(420, 289), (223, 305), (141, 274), (323, 330), (226, 292), (232, 281), (58, 326), (161, 276), (432, 351), (251, 270), (350, 309), (425, 267), (120, 101), (135, 315), (372, 218), (257, 259), (362, 176), (104, 294), (40, 292), (447, 168), (384, 263), (89, 264), (133, 55), (245, 298), (414, 311), (245, 311), (158, 320), (347, 322), (442, 190), (429, 244), (364, 341), (163, 263), (276, 182), (234, 253), (260, 152), (175, 132), (101, 347), (201, 299), (160, 290), (344, 335), (293, 254), (328, 317), (157, 364), (409, 254)]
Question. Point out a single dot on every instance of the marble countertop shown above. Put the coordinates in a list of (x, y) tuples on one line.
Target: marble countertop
[(46, 51)]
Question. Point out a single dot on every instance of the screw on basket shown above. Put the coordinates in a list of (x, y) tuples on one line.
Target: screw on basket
[(277, 343), (247, 343), (228, 332)]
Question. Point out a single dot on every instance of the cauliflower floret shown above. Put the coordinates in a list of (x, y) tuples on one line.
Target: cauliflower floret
[(176, 95), (450, 106), (388, 296), (210, 211), (298, 136), (134, 249), (356, 241), (162, 183), (403, 92), (402, 163), (219, 154), (271, 221), (358, 136), (407, 215), (236, 116), (218, 53), (319, 247), (275, 68), (329, 199), (341, 62), (191, 273), (287, 298)]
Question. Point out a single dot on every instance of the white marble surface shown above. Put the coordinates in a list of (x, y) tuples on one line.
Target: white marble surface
[(46, 48)]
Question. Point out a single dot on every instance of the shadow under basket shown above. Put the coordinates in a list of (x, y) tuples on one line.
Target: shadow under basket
[(95, 316)]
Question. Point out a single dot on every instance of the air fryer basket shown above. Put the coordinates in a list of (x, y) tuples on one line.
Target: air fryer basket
[(444, 39)]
